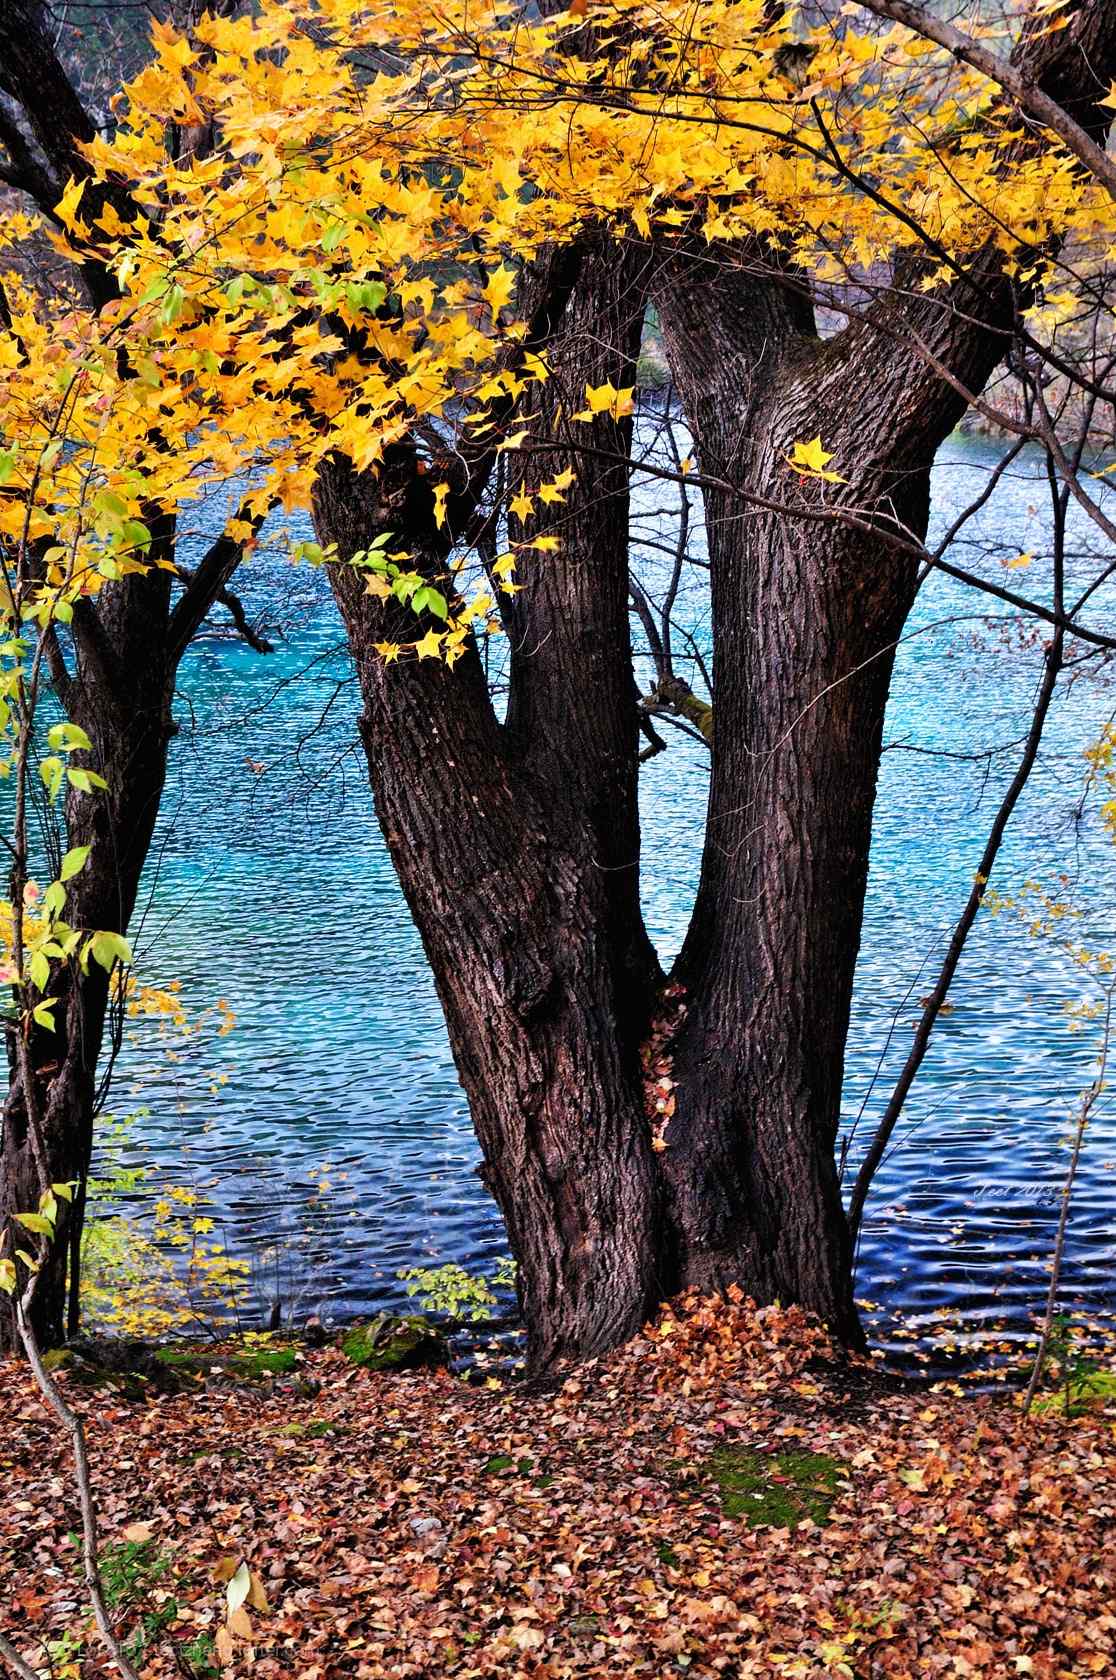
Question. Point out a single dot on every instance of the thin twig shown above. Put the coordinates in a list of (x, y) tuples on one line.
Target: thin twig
[(1088, 1102)]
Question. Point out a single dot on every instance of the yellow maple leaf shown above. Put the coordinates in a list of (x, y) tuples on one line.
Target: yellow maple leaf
[(810, 460), (522, 506), (430, 645), (498, 291), (441, 496), (66, 208), (606, 399), (389, 651)]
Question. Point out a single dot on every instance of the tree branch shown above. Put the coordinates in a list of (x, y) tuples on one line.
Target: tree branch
[(208, 582), (15, 1662), (235, 607), (1007, 76), (26, 173), (1052, 668)]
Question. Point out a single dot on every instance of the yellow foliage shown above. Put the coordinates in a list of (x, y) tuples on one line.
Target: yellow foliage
[(394, 207)]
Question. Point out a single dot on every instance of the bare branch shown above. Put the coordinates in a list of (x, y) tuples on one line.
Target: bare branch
[(15, 1662), (207, 583), (235, 608)]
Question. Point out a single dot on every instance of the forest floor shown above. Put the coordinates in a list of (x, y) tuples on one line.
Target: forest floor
[(723, 1497)]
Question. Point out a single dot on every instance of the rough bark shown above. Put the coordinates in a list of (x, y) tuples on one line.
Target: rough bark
[(510, 906), (571, 610), (543, 969), (806, 615), (518, 850)]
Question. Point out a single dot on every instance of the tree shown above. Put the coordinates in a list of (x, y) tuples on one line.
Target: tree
[(548, 1010), (331, 285), (111, 654)]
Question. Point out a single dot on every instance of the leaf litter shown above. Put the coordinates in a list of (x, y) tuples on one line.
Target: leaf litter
[(336, 1521)]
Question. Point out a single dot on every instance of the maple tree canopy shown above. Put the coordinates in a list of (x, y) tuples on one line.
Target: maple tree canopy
[(339, 263)]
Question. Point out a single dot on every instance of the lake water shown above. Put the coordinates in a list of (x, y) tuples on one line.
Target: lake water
[(270, 888)]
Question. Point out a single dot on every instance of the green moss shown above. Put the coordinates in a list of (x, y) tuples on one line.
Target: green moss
[(775, 1490), (253, 1362), (394, 1344), (313, 1431), (497, 1464), (261, 1362)]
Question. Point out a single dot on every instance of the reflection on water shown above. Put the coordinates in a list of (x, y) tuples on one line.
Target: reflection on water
[(270, 887)]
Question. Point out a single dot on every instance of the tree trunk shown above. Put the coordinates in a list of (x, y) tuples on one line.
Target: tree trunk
[(808, 617), (120, 696), (510, 906), (517, 847)]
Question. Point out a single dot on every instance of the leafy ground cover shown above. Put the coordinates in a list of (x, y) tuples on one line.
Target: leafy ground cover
[(724, 1497)]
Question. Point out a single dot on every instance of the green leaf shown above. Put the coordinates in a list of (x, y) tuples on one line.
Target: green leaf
[(65, 1191), (136, 535), (43, 1014), (109, 503), (39, 970), (53, 899), (7, 1277), (107, 949), (74, 861)]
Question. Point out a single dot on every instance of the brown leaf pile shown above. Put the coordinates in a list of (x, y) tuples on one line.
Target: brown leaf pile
[(416, 1525)]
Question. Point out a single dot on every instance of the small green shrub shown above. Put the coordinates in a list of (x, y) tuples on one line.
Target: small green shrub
[(456, 1293), (129, 1569), (200, 1657)]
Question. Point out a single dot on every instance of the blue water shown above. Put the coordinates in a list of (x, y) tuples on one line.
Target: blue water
[(270, 888)]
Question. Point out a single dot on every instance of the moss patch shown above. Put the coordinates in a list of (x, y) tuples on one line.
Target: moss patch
[(394, 1344), (247, 1365), (262, 1362), (316, 1430), (775, 1490)]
